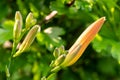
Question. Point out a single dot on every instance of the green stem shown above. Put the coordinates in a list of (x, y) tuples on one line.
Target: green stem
[(10, 61), (50, 75), (52, 72), (8, 73)]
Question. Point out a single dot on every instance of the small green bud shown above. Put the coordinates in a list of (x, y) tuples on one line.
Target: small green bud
[(29, 17), (60, 59), (7, 72), (43, 78), (62, 49), (30, 21), (33, 22), (66, 52), (18, 16), (17, 30), (28, 40), (52, 64), (56, 53), (55, 69)]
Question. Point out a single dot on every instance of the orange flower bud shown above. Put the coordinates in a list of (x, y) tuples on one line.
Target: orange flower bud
[(82, 42)]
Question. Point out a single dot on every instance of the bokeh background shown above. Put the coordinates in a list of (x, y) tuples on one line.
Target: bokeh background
[(100, 61)]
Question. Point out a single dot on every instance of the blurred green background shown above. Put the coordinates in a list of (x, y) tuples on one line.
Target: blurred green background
[(100, 61)]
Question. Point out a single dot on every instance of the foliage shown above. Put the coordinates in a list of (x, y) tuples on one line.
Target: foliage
[(100, 61)]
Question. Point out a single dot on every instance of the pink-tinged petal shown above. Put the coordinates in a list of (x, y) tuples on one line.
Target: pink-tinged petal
[(82, 42)]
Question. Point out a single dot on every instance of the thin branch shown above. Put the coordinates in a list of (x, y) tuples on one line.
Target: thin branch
[(48, 17), (70, 3)]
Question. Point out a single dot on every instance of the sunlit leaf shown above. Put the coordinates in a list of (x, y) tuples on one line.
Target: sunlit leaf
[(6, 31), (51, 37)]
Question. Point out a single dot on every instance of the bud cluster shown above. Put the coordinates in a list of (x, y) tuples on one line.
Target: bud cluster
[(73, 54), (18, 32), (60, 55)]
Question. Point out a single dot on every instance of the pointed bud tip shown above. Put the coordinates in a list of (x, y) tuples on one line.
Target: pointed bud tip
[(39, 27), (103, 18), (16, 54)]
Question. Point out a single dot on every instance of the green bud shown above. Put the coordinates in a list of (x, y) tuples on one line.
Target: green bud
[(30, 21), (7, 72), (33, 22), (52, 64), (18, 16), (43, 78), (62, 49), (55, 69), (29, 17), (17, 30), (60, 59), (28, 40), (66, 52), (56, 53)]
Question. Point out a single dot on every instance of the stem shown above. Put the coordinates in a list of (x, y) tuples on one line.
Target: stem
[(48, 17), (50, 75), (10, 61), (8, 73), (52, 72)]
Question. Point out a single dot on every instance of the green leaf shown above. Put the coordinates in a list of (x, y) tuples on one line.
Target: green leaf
[(54, 32), (107, 66), (105, 45), (51, 37), (6, 33), (116, 50), (101, 44), (59, 6), (5, 10)]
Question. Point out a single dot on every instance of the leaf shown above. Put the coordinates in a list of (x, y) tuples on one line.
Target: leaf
[(107, 66), (51, 37), (59, 6), (116, 50), (54, 32), (100, 44), (5, 10), (110, 46), (6, 33)]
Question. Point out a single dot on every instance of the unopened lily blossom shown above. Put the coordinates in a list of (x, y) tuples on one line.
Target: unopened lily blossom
[(77, 49)]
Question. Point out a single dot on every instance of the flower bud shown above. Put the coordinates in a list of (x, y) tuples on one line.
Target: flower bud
[(17, 26), (30, 21), (60, 59), (33, 22), (55, 69), (28, 40), (18, 16), (17, 30), (62, 49), (52, 63), (43, 78), (29, 17), (56, 53), (82, 42)]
